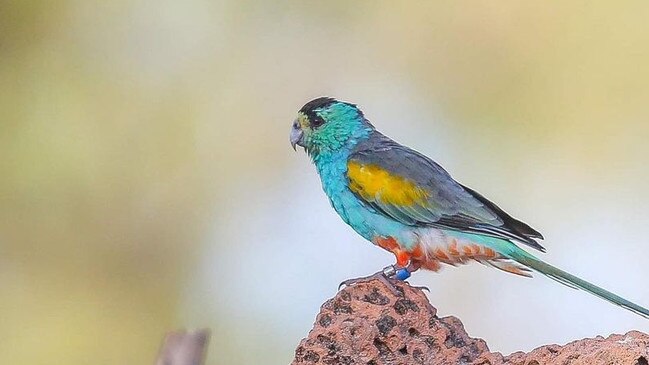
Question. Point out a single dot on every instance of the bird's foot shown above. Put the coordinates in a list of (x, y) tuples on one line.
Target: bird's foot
[(419, 287), (385, 276), (412, 267)]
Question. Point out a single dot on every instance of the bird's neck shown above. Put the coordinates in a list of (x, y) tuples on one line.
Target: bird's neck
[(332, 163), (329, 154)]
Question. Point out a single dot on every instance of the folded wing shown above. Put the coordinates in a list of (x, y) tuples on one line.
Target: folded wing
[(412, 189)]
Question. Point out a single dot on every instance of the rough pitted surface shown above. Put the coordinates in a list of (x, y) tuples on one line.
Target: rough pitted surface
[(366, 324), (631, 348)]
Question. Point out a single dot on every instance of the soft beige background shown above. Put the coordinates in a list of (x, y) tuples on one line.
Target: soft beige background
[(148, 183)]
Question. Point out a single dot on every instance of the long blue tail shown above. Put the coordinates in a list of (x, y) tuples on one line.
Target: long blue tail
[(528, 260)]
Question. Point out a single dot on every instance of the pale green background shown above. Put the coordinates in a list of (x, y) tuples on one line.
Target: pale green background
[(147, 181)]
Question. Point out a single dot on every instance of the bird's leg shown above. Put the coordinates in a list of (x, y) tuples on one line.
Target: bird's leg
[(387, 275), (403, 257), (413, 266), (384, 276), (406, 264)]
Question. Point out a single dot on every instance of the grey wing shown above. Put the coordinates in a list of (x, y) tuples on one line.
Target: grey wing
[(448, 204)]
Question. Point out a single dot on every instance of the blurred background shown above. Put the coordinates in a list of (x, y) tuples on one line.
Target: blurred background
[(147, 181)]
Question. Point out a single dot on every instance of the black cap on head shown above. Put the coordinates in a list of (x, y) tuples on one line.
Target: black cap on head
[(309, 110), (317, 103)]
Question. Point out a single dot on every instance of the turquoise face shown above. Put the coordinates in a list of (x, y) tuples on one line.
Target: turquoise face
[(328, 127)]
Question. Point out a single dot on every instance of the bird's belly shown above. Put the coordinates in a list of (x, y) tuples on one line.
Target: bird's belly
[(446, 247), (426, 246), (369, 223), (435, 247)]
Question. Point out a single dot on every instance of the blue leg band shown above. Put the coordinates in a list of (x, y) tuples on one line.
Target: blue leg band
[(402, 274)]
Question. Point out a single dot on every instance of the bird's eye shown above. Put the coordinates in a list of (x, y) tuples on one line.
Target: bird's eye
[(316, 121)]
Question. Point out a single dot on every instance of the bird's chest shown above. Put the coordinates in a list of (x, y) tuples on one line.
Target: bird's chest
[(333, 175), (363, 219)]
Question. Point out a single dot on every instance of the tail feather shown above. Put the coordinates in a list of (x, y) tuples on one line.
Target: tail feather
[(510, 267), (525, 258)]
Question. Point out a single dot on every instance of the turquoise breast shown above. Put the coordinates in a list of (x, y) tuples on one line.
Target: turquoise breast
[(367, 222)]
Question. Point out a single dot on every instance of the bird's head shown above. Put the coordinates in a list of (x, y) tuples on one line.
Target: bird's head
[(328, 125)]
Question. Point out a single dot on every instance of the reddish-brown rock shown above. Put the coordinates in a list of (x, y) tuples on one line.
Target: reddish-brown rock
[(632, 349), (366, 324)]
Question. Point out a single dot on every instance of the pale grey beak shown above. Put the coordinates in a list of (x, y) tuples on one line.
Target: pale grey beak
[(296, 135)]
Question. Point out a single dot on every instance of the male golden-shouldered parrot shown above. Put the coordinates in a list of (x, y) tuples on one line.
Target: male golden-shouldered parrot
[(404, 202)]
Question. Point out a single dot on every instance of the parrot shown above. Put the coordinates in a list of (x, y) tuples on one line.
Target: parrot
[(406, 203)]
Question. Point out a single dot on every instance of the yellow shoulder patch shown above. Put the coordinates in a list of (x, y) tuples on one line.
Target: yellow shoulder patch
[(374, 183)]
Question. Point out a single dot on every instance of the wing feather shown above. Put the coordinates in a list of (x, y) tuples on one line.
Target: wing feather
[(412, 189)]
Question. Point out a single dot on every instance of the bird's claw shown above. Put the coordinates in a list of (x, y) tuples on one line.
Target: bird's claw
[(420, 287), (385, 276)]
